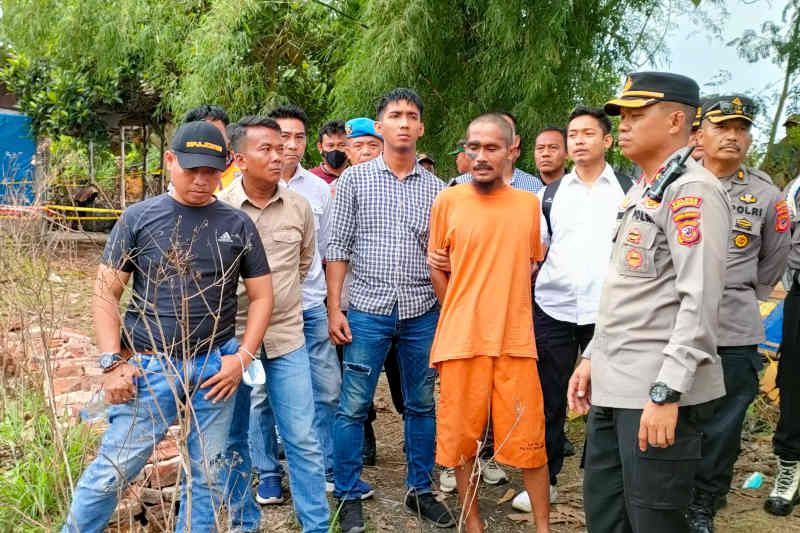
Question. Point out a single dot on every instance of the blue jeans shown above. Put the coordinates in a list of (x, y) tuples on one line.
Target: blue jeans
[(326, 381), (289, 393), (137, 426), (326, 377), (363, 359)]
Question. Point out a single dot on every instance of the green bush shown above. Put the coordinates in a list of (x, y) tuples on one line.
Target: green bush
[(35, 471)]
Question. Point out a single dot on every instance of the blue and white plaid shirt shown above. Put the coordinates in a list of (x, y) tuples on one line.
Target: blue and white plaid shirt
[(380, 224), (519, 180)]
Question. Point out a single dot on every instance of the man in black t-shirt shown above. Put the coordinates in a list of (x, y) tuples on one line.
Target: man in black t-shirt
[(185, 251)]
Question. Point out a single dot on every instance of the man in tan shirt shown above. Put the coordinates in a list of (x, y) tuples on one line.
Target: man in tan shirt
[(285, 222)]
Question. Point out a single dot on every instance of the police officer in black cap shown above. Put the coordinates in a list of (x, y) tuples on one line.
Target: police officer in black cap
[(651, 371), (758, 246)]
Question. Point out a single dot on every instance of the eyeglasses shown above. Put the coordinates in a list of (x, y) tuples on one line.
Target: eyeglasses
[(731, 108)]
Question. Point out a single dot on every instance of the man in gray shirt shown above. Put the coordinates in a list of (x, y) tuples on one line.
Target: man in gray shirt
[(652, 364), (757, 250)]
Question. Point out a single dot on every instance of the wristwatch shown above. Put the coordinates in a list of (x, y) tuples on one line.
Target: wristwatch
[(109, 360), (660, 394)]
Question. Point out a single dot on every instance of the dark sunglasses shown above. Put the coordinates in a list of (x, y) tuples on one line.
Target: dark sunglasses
[(729, 108)]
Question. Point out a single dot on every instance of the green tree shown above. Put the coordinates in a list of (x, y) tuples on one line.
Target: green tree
[(535, 59), (781, 44)]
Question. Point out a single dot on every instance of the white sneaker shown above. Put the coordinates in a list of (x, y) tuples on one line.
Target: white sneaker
[(522, 501), (492, 473), (447, 480)]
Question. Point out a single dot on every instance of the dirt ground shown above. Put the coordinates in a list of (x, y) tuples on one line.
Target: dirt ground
[(743, 514)]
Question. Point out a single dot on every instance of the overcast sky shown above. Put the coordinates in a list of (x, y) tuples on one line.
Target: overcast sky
[(695, 52)]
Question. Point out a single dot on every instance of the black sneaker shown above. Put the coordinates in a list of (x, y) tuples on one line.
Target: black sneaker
[(350, 518), (426, 506), (700, 514)]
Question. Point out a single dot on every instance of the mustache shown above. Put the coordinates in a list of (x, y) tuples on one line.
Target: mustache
[(482, 166)]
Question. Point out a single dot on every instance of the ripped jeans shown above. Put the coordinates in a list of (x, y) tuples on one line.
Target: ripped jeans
[(363, 359), (137, 426)]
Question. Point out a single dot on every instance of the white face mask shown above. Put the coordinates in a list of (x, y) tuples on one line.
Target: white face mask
[(254, 375)]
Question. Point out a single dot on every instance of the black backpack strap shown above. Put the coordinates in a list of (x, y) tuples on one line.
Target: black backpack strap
[(547, 204), (625, 181)]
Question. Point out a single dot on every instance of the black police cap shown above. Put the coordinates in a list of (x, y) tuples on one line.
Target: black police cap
[(728, 108), (200, 144), (642, 89)]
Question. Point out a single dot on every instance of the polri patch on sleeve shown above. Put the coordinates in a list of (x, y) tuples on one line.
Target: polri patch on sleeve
[(741, 240), (689, 232), (685, 201), (782, 218)]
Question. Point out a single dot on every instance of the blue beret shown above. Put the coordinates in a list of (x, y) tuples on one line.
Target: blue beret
[(360, 127)]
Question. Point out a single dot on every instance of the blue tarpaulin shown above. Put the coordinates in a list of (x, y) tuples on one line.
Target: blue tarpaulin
[(773, 329), (17, 148)]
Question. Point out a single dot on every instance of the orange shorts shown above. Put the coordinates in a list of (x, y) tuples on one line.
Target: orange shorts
[(509, 389)]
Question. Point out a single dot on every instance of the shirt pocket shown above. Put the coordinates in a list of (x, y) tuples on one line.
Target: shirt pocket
[(636, 256), (287, 236), (746, 234), (283, 250)]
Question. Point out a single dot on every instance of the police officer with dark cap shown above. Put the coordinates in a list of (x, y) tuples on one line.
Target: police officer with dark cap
[(651, 371), (758, 246), (697, 154)]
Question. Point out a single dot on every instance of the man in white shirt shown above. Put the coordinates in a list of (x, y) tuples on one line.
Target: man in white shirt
[(578, 235)]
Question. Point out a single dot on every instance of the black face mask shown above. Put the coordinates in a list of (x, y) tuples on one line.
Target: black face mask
[(335, 158)]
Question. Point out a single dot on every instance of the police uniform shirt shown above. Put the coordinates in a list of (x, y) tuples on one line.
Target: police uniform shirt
[(792, 191), (658, 312), (757, 249)]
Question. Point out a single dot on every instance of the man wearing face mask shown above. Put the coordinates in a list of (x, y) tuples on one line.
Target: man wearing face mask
[(331, 143)]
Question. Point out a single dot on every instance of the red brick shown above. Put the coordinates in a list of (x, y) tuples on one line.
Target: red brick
[(126, 510), (160, 517), (166, 449), (165, 473), (150, 496), (64, 385), (171, 494), (68, 371)]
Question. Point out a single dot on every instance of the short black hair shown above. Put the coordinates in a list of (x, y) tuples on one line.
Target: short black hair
[(290, 111), (599, 114), (498, 119), (332, 127), (396, 95), (207, 112), (557, 129), (237, 131)]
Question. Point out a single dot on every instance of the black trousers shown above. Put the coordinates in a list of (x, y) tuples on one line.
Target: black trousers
[(722, 433), (626, 490), (786, 441), (557, 345)]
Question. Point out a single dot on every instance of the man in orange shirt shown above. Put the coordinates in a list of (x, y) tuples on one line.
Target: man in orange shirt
[(484, 347)]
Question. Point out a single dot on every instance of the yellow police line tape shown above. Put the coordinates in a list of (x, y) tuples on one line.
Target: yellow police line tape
[(52, 209), (58, 212)]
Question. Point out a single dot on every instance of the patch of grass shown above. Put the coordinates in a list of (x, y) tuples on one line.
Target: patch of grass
[(36, 464)]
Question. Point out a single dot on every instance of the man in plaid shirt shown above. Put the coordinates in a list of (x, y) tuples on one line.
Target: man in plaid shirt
[(380, 224)]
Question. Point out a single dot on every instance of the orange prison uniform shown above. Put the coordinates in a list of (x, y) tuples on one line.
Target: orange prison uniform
[(484, 346)]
